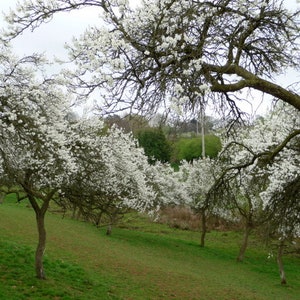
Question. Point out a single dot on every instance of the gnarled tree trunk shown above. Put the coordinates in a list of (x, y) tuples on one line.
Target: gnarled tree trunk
[(40, 212)]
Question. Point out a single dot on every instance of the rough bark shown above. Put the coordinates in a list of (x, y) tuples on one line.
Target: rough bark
[(74, 210), (252, 81)]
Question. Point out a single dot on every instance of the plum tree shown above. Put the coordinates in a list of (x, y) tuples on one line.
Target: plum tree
[(35, 158)]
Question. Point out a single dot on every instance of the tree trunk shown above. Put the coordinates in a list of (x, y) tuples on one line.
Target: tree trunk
[(74, 210), (244, 243), (280, 262), (109, 229), (204, 228), (112, 219), (98, 218), (39, 267), (40, 221), (79, 214)]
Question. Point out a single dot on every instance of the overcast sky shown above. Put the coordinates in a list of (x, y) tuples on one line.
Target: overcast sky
[(51, 37)]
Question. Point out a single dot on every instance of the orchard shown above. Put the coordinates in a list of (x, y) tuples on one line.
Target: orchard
[(160, 55)]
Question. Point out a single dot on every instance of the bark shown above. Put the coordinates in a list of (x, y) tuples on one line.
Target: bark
[(40, 220), (280, 263), (244, 245), (40, 250), (98, 218), (252, 81), (204, 228), (112, 218), (79, 214)]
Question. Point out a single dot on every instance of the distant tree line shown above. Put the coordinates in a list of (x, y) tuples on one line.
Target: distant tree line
[(170, 142)]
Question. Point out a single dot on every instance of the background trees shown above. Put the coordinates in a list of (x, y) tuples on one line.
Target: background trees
[(111, 176), (197, 179), (155, 144), (189, 148)]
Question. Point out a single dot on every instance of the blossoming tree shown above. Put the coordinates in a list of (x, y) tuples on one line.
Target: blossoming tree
[(198, 179), (190, 186), (35, 160), (111, 175), (262, 176), (239, 189), (176, 51), (168, 53), (44, 156)]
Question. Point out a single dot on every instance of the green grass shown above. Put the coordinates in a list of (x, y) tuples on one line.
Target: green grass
[(141, 260), (191, 148)]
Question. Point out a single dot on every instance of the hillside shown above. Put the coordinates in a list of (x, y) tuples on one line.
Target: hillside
[(140, 260)]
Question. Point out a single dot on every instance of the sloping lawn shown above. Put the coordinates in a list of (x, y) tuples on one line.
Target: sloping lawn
[(141, 260)]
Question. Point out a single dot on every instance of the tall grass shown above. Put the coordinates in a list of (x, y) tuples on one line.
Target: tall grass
[(141, 260)]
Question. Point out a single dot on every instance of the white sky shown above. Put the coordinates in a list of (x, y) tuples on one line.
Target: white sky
[(51, 37)]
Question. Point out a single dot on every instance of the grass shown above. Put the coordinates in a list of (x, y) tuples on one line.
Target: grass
[(191, 148), (141, 260)]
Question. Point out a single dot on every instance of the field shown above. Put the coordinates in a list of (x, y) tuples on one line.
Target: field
[(141, 260), (191, 148)]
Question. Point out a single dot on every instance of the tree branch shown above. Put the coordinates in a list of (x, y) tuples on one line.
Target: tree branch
[(252, 81)]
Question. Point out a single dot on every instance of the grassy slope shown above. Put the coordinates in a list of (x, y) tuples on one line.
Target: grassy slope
[(148, 261), (191, 148)]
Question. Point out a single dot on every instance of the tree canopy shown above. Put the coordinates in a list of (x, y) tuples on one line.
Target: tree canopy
[(171, 53), (155, 144)]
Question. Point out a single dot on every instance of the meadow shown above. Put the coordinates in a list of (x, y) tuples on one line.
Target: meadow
[(140, 260)]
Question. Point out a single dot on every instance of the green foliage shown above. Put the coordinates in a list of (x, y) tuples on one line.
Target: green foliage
[(191, 148), (155, 144)]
